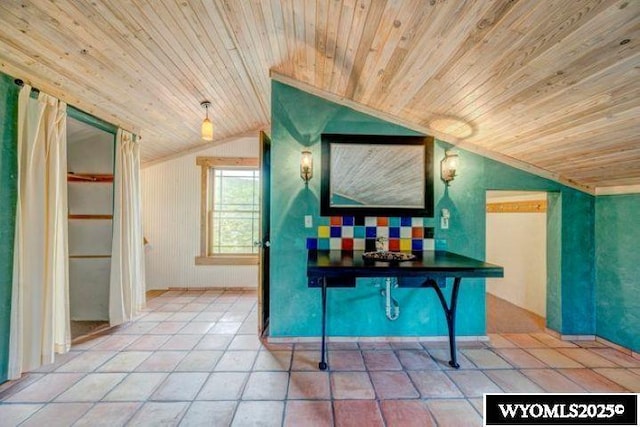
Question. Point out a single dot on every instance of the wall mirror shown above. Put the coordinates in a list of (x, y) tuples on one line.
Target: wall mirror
[(376, 175)]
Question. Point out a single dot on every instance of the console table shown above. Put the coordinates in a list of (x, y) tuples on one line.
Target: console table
[(429, 269)]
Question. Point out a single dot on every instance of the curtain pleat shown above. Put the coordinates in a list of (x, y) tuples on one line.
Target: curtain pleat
[(40, 292), (127, 285)]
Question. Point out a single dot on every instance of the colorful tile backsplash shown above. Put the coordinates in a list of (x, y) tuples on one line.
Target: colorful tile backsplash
[(360, 234)]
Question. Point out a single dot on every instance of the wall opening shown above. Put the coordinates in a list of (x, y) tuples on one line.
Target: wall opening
[(90, 163), (516, 238)]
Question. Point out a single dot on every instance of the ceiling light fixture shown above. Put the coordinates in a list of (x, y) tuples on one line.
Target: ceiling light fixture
[(207, 126)]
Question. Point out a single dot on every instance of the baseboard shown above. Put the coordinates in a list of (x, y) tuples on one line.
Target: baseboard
[(213, 288), (444, 338), (153, 293), (553, 333), (606, 342), (578, 337), (618, 347)]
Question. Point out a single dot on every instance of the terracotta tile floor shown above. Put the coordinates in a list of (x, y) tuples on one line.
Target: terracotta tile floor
[(194, 359)]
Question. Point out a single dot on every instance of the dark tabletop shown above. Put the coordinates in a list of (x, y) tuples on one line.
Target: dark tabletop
[(327, 263)]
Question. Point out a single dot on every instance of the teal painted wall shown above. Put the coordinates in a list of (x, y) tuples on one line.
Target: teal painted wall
[(618, 269), (554, 260), (8, 178), (298, 119)]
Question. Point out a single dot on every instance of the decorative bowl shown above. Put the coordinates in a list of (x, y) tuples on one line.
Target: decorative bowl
[(388, 256)]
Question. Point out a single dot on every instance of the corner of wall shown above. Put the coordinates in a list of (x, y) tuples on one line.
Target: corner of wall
[(8, 196)]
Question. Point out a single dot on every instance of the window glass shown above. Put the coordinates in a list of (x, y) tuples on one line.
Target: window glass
[(234, 214)]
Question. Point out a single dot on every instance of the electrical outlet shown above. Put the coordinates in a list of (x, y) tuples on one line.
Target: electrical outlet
[(444, 223), (308, 221), (444, 219)]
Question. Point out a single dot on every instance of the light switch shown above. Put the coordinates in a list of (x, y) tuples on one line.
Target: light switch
[(308, 221)]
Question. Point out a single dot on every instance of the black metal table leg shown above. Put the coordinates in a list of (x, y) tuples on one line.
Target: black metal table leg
[(451, 323), (323, 364), (450, 315)]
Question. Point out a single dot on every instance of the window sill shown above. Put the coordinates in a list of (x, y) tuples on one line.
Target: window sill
[(227, 260)]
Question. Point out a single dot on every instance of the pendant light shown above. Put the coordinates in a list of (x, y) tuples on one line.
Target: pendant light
[(207, 126)]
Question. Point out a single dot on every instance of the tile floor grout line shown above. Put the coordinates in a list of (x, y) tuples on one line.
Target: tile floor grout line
[(242, 311)]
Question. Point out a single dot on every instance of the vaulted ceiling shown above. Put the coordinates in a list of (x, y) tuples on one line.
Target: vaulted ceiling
[(550, 86)]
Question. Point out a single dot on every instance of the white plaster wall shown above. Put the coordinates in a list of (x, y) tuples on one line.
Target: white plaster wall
[(517, 241), (171, 223)]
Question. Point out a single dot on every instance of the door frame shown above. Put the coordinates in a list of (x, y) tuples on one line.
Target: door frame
[(265, 226)]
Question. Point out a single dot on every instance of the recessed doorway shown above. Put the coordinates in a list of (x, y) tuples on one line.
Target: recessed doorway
[(516, 227)]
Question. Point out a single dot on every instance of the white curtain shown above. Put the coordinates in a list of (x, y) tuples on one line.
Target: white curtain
[(40, 292), (127, 287)]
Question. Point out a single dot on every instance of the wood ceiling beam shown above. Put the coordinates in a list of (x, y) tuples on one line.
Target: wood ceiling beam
[(616, 190), (202, 147)]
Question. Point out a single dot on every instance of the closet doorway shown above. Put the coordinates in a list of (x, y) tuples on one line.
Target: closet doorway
[(90, 166)]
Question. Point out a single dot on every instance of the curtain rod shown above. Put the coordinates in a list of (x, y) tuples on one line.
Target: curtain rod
[(20, 83)]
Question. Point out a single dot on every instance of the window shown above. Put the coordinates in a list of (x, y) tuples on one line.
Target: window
[(233, 219), (229, 211)]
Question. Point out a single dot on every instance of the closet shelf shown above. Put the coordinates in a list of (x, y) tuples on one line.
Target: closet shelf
[(90, 216), (87, 177), (88, 256)]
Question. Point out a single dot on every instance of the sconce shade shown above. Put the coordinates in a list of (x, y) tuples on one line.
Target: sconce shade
[(207, 125), (449, 166), (306, 166)]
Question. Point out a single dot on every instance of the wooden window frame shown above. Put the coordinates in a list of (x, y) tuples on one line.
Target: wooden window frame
[(206, 163)]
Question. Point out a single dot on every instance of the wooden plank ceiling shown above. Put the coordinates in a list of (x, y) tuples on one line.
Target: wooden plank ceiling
[(551, 84)]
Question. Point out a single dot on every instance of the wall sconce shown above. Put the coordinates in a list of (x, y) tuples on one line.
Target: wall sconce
[(207, 126), (449, 166), (306, 166)]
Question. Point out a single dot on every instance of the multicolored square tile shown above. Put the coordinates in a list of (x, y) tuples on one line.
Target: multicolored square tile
[(323, 231), (312, 243), (360, 233), (335, 244), (347, 244), (323, 244)]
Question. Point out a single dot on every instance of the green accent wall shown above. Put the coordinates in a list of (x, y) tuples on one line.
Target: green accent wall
[(8, 193), (91, 120), (554, 260), (618, 269), (298, 120)]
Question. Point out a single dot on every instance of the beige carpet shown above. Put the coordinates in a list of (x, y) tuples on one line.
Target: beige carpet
[(504, 317)]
